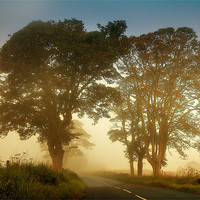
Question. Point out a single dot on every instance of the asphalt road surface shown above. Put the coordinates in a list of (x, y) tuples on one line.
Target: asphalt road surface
[(104, 188)]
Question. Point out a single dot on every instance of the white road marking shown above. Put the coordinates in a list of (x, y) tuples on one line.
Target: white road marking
[(112, 186), (127, 191), (116, 187), (140, 197)]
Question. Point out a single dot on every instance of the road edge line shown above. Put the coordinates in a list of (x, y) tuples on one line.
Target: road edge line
[(127, 191), (140, 197)]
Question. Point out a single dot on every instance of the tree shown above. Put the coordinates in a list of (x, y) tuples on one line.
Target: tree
[(128, 131), (119, 133), (161, 72), (52, 70), (79, 142)]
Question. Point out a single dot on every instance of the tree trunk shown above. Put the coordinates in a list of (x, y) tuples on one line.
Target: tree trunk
[(140, 166), (57, 160), (56, 152), (131, 166), (156, 169)]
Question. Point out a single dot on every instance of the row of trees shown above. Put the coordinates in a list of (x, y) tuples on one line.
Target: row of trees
[(160, 96), (51, 70)]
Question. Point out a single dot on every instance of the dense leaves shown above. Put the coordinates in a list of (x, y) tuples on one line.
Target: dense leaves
[(52, 72), (160, 73)]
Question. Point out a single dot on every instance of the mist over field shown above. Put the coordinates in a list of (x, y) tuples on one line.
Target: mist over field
[(99, 99), (99, 158)]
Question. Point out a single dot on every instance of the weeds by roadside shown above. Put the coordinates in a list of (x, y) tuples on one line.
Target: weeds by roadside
[(187, 180), (39, 182)]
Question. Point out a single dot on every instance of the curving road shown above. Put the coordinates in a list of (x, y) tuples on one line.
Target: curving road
[(104, 188)]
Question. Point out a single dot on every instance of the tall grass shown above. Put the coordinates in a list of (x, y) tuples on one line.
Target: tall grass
[(187, 180), (31, 181)]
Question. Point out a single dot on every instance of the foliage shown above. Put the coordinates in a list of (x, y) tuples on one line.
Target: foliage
[(81, 142), (127, 131), (77, 144), (160, 73), (39, 182), (51, 71)]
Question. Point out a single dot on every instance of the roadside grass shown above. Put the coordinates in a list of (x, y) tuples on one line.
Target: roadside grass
[(30, 181), (188, 180)]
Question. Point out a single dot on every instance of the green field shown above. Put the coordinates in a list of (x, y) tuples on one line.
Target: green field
[(188, 182), (39, 182)]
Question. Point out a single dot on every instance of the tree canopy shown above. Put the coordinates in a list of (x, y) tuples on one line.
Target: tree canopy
[(52, 71), (160, 72)]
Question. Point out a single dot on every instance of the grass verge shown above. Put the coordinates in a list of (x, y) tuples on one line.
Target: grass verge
[(180, 183), (39, 182)]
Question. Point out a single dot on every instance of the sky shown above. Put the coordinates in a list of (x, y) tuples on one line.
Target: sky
[(142, 16)]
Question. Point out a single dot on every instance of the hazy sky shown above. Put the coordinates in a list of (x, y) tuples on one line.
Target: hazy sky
[(142, 16)]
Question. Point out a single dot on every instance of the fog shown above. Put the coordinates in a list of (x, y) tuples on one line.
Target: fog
[(105, 155)]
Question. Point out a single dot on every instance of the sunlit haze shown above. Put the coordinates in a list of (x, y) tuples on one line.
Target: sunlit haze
[(141, 17)]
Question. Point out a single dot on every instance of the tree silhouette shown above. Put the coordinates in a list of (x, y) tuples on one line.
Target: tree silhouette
[(161, 71), (127, 130), (51, 71)]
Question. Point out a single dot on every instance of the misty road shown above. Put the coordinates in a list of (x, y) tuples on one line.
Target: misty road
[(104, 188)]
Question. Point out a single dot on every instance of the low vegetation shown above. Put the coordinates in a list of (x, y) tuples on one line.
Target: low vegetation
[(39, 182), (187, 180)]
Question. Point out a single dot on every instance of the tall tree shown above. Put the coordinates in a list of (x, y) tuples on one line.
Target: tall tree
[(161, 71), (127, 130), (51, 71)]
